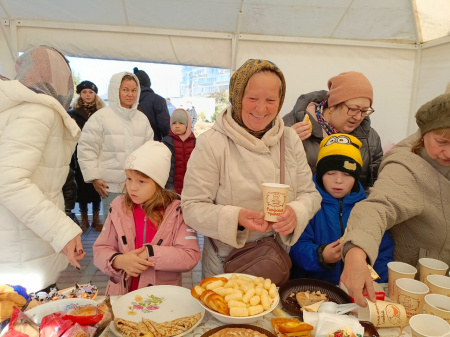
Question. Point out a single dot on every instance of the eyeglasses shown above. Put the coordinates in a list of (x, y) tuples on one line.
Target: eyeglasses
[(354, 111)]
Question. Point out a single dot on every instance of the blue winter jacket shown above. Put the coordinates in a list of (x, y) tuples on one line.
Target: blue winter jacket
[(327, 226)]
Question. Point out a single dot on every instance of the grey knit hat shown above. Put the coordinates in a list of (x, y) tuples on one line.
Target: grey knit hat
[(434, 114), (179, 115)]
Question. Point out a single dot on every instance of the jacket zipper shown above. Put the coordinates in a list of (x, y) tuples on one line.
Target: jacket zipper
[(342, 228)]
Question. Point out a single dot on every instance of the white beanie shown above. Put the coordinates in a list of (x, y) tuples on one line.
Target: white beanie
[(153, 159)]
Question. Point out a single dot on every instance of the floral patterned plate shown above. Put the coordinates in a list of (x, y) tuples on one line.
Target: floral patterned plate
[(158, 303)]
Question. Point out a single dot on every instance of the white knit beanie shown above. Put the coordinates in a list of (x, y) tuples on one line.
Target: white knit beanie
[(152, 159)]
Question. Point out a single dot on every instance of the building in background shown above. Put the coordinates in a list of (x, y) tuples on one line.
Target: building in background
[(203, 81)]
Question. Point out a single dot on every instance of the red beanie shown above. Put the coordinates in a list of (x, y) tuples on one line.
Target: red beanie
[(347, 86)]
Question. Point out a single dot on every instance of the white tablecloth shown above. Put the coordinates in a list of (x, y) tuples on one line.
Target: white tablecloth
[(209, 322)]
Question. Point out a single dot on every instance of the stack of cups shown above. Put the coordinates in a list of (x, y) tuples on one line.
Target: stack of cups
[(438, 284), (411, 294), (428, 266), (424, 325), (398, 270), (438, 305)]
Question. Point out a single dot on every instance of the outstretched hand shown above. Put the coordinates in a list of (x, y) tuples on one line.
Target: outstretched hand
[(286, 222), (74, 251), (356, 276), (132, 263), (253, 221)]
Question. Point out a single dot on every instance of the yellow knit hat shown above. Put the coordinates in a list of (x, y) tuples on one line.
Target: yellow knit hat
[(339, 152)]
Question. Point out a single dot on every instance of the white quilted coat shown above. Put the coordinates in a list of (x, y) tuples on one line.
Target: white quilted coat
[(37, 139), (109, 136)]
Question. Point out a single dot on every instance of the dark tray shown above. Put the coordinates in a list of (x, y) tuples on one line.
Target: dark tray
[(334, 293), (242, 326)]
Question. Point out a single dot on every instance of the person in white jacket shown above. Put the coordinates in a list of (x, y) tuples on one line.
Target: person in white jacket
[(222, 193), (109, 137), (37, 140)]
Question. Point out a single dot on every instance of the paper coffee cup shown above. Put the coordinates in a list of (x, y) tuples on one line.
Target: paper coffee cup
[(439, 284), (424, 325), (274, 199), (411, 294), (398, 270), (383, 314), (428, 266), (438, 305)]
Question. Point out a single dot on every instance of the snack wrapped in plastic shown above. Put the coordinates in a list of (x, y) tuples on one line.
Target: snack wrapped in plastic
[(20, 322), (106, 309), (84, 314), (79, 331), (54, 325)]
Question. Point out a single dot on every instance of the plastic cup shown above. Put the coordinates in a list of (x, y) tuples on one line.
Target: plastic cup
[(424, 325), (383, 314), (398, 270), (411, 294), (439, 284), (274, 199), (428, 266), (438, 305)]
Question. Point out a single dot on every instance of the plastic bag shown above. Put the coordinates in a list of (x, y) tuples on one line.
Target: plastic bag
[(54, 325), (21, 323)]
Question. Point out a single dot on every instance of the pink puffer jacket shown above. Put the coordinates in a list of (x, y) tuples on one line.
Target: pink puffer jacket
[(175, 248)]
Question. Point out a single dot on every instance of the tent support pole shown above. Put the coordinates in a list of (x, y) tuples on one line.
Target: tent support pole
[(411, 127), (235, 40)]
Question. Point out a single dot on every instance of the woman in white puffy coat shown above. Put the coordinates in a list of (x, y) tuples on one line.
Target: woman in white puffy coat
[(37, 140), (109, 137)]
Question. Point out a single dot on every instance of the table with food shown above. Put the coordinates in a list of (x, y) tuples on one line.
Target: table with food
[(223, 305)]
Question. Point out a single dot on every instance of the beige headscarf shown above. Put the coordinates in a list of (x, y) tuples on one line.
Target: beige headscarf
[(45, 70), (239, 81)]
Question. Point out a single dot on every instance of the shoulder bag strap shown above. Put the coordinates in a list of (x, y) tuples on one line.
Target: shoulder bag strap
[(282, 173), (282, 159)]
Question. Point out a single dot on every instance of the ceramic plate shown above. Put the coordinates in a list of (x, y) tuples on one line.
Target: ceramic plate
[(158, 303), (334, 293), (240, 326)]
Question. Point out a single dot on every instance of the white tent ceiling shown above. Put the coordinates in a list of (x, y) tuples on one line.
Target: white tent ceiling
[(402, 46)]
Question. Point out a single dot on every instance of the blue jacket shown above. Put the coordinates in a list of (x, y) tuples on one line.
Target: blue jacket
[(327, 226)]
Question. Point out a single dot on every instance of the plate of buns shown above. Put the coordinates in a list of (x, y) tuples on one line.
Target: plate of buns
[(238, 330), (300, 295), (236, 298)]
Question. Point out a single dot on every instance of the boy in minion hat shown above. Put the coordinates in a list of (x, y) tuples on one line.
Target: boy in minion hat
[(317, 254)]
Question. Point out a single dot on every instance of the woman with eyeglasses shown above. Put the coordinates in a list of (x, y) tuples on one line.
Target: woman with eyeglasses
[(110, 135), (344, 108)]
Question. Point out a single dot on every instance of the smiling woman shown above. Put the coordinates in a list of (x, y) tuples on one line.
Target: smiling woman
[(345, 108), (222, 193)]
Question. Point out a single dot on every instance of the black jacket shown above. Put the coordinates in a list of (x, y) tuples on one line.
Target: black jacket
[(86, 192), (155, 108)]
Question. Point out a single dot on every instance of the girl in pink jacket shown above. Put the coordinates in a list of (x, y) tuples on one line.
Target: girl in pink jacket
[(145, 240)]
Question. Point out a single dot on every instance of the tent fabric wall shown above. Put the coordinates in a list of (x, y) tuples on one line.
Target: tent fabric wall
[(308, 68), (389, 41), (130, 46)]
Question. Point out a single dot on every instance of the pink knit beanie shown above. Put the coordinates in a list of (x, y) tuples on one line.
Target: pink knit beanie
[(348, 85)]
